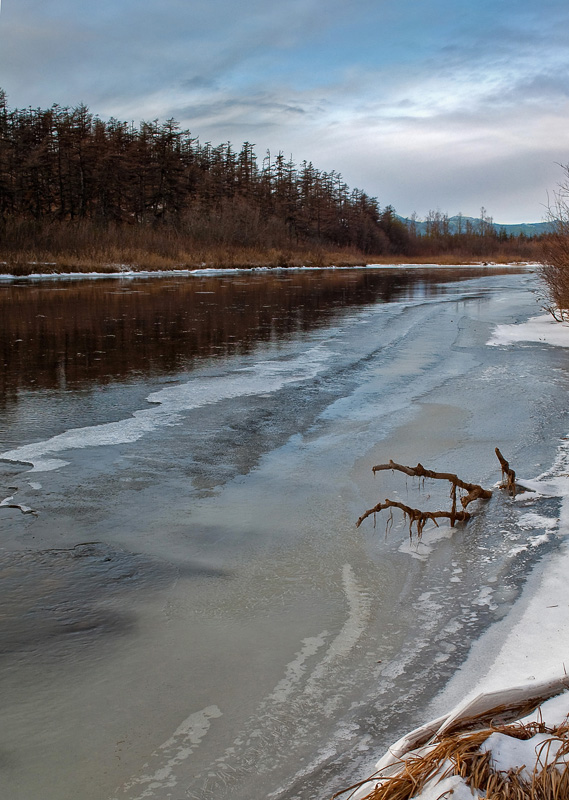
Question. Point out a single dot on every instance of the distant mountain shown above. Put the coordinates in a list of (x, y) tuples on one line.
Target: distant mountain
[(527, 228), (457, 223)]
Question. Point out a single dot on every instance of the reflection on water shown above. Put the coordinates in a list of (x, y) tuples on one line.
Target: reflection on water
[(53, 597), (78, 334)]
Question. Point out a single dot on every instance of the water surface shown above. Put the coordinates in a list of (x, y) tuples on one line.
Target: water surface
[(190, 611)]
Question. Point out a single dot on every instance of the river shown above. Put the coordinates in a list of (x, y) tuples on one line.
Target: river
[(188, 608)]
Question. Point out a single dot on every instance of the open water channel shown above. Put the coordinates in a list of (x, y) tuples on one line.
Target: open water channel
[(190, 611)]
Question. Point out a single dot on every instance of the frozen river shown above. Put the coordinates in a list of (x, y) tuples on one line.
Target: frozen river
[(190, 611)]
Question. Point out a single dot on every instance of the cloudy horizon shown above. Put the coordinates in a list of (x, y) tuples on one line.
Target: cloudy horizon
[(436, 105)]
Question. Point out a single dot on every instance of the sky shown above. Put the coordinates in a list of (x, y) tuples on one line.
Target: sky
[(425, 104)]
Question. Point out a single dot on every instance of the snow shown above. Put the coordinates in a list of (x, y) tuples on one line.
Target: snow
[(521, 754), (526, 654), (423, 547), (453, 787), (125, 271), (543, 330)]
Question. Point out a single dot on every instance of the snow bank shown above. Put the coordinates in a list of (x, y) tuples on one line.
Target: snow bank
[(543, 329)]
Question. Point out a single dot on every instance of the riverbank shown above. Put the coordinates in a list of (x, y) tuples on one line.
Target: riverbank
[(125, 272), (131, 259), (509, 674), (147, 263)]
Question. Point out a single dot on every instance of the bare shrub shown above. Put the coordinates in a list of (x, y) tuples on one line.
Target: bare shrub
[(555, 251)]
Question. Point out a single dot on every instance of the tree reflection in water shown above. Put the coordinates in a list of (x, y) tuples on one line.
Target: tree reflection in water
[(77, 334)]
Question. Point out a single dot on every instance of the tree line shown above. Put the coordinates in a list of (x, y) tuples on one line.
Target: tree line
[(67, 164), (438, 234), (69, 180)]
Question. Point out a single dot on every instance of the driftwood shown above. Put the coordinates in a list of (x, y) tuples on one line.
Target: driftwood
[(419, 518), (475, 492), (508, 475), (416, 516)]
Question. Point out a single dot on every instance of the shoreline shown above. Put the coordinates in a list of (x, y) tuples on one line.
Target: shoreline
[(517, 656), (128, 274)]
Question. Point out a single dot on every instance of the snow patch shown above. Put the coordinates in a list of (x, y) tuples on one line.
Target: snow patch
[(509, 753), (423, 547), (543, 330)]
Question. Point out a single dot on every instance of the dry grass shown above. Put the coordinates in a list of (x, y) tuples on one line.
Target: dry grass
[(555, 251), (113, 259), (28, 247), (459, 754), (460, 258), (555, 269), (82, 246)]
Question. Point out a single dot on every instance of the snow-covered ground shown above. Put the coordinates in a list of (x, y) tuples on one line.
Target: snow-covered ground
[(526, 654)]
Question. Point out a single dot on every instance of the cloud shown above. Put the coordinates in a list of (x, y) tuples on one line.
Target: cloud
[(456, 102), (199, 82)]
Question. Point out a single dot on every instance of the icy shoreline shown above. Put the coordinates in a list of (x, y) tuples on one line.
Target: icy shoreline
[(525, 653), (536, 647), (125, 273)]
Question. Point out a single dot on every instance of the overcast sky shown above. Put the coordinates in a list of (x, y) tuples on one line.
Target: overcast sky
[(425, 104)]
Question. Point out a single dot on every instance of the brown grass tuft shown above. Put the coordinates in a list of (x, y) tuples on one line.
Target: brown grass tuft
[(459, 754)]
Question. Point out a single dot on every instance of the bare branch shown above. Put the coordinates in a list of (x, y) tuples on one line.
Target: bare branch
[(416, 516), (475, 492), (510, 476)]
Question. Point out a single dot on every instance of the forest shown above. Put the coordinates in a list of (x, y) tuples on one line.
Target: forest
[(80, 192)]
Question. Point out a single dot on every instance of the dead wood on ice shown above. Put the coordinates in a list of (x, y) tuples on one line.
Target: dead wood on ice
[(509, 476), (475, 492), (416, 516), (421, 472)]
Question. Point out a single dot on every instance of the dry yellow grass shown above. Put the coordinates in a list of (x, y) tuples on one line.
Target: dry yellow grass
[(83, 247), (112, 259), (460, 754)]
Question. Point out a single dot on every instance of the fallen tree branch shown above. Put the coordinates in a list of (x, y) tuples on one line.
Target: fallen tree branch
[(416, 516), (510, 476), (475, 492)]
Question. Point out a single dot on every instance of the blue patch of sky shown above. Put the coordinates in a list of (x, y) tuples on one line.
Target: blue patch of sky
[(372, 37)]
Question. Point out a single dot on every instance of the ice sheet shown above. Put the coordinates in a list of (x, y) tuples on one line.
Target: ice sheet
[(264, 377)]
